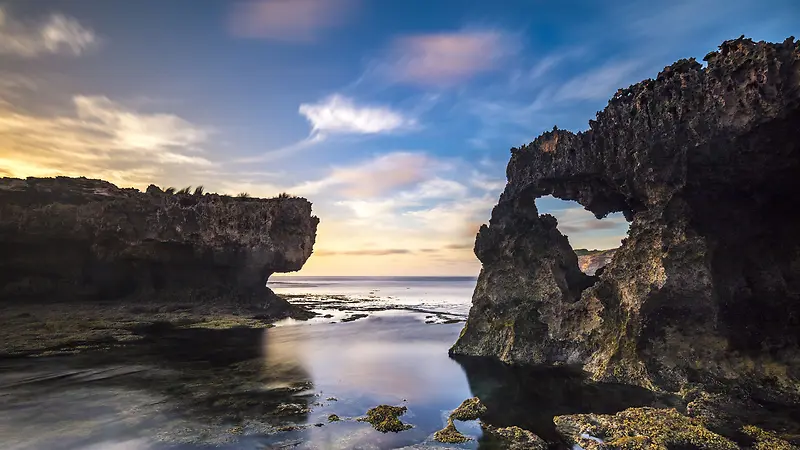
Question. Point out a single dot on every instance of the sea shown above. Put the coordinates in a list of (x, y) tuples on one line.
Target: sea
[(377, 340)]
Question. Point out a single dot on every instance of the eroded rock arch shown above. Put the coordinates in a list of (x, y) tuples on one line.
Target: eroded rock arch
[(704, 162)]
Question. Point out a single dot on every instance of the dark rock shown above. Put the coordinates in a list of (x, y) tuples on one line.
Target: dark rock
[(354, 317), (704, 163), (64, 238)]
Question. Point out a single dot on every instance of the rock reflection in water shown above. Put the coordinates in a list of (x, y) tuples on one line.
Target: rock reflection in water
[(177, 385), (529, 397)]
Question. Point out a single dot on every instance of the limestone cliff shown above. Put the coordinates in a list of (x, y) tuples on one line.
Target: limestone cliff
[(77, 238), (705, 164)]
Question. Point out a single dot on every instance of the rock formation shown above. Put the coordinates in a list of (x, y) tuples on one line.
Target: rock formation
[(590, 261), (73, 238), (705, 164)]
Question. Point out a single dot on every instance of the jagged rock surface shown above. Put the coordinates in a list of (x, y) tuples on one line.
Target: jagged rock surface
[(65, 238), (705, 164)]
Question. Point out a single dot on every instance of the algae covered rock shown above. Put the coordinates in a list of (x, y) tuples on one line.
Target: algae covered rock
[(640, 429), (768, 440), (333, 418), (470, 409), (514, 438), (385, 418), (450, 434)]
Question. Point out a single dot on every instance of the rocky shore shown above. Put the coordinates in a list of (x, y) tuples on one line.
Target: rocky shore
[(702, 300), (85, 263)]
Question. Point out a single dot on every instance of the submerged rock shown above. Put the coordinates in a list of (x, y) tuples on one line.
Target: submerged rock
[(704, 163), (469, 409), (450, 434), (385, 418), (76, 238), (515, 438), (640, 429)]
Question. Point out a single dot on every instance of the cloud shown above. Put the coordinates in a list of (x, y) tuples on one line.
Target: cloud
[(340, 115), (299, 21), (58, 34), (588, 225), (599, 83), (138, 131), (447, 58), (373, 177), (102, 138), (368, 252)]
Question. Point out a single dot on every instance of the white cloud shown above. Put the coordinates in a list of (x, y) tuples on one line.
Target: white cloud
[(600, 83), (288, 20), (138, 131), (339, 114), (103, 138), (445, 58), (57, 34)]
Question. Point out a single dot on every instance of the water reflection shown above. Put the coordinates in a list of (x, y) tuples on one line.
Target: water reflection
[(191, 388), (529, 397)]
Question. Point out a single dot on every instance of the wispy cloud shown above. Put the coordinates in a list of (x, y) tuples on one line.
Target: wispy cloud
[(56, 34), (447, 58), (599, 83), (288, 20), (340, 115), (365, 252), (373, 177), (101, 138)]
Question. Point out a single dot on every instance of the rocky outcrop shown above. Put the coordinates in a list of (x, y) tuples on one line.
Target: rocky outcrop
[(591, 261), (704, 162), (72, 238)]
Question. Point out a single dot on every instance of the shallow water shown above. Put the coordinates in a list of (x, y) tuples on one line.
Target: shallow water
[(452, 295), (193, 388)]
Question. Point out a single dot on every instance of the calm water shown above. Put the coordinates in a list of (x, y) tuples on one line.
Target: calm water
[(201, 388)]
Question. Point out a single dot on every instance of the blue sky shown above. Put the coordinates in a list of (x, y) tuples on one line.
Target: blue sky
[(394, 117)]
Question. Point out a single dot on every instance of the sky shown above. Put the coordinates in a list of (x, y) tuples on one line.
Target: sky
[(395, 118)]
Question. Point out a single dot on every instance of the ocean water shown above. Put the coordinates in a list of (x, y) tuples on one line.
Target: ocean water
[(274, 388), (451, 295)]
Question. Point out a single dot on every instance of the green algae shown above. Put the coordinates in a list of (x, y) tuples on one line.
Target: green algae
[(333, 418), (514, 438), (385, 418), (767, 440), (641, 429), (470, 409), (450, 434)]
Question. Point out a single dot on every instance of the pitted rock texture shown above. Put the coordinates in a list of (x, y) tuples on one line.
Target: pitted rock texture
[(705, 164), (77, 238)]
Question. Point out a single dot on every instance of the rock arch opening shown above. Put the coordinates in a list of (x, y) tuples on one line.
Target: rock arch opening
[(593, 240)]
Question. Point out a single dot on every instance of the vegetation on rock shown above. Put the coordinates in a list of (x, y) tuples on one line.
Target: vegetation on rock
[(470, 409), (640, 429), (450, 434), (385, 418)]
